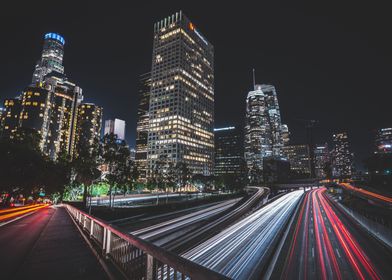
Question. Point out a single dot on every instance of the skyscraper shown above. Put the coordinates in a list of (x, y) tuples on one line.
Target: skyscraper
[(65, 97), (116, 127), (181, 111), (322, 159), (285, 134), (51, 57), (36, 111), (383, 141), (299, 158), (88, 128), (342, 157), (263, 128), (10, 116), (229, 151), (142, 125)]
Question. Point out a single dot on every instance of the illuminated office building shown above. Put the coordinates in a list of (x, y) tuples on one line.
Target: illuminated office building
[(51, 57), (285, 134), (116, 127), (229, 152), (181, 110), (66, 96), (88, 128), (36, 112), (299, 158), (142, 125), (263, 128), (10, 116), (383, 141), (322, 159), (342, 157)]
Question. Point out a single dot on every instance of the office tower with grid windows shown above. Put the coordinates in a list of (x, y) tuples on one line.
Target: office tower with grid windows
[(181, 110), (10, 117), (142, 125), (88, 127), (342, 157)]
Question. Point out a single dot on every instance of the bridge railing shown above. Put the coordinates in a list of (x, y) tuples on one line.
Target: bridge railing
[(135, 257)]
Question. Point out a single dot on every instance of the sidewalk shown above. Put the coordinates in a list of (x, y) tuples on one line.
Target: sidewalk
[(61, 253)]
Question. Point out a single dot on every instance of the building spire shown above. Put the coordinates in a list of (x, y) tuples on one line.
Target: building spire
[(254, 82)]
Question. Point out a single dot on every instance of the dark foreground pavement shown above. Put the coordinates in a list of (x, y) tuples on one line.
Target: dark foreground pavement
[(46, 245)]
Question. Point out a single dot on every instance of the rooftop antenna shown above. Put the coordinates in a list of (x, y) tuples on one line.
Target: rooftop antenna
[(254, 82)]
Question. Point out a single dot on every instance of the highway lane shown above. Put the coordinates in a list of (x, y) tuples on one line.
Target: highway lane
[(19, 237), (185, 220), (327, 245), (243, 248), (134, 199), (368, 194), (181, 233)]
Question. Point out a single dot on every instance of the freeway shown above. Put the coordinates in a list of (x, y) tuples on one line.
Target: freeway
[(326, 244), (135, 199), (368, 194), (180, 233), (241, 250)]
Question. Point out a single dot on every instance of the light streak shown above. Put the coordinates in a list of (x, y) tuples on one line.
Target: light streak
[(237, 250), (18, 213), (368, 193)]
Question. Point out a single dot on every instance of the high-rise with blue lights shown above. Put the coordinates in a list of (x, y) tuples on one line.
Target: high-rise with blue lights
[(51, 58)]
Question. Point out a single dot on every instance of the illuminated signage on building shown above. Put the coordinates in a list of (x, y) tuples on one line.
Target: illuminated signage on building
[(192, 27), (55, 36)]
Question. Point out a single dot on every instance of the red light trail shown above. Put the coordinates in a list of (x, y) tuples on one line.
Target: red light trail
[(319, 236), (367, 193)]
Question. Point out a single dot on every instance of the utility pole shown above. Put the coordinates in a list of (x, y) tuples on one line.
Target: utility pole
[(309, 133)]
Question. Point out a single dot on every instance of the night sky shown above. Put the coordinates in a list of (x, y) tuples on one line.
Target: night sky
[(329, 61)]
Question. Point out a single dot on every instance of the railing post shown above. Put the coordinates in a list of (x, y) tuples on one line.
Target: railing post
[(91, 227), (104, 240), (150, 267), (84, 222), (108, 239)]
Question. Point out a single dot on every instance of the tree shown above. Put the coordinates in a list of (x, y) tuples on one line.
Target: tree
[(85, 165), (183, 174), (25, 169), (116, 156)]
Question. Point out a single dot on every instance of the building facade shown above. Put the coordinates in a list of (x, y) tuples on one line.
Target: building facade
[(321, 160), (36, 111), (383, 141), (51, 57), (342, 157), (299, 158), (10, 116), (66, 96), (263, 127), (142, 125), (88, 128), (116, 127), (181, 109), (229, 151)]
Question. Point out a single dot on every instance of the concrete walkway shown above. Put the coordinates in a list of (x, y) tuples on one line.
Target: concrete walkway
[(47, 245)]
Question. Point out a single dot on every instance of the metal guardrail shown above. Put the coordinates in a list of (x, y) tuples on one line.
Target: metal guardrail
[(135, 257)]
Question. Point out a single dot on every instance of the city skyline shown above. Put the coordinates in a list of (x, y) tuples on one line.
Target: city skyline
[(275, 63)]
